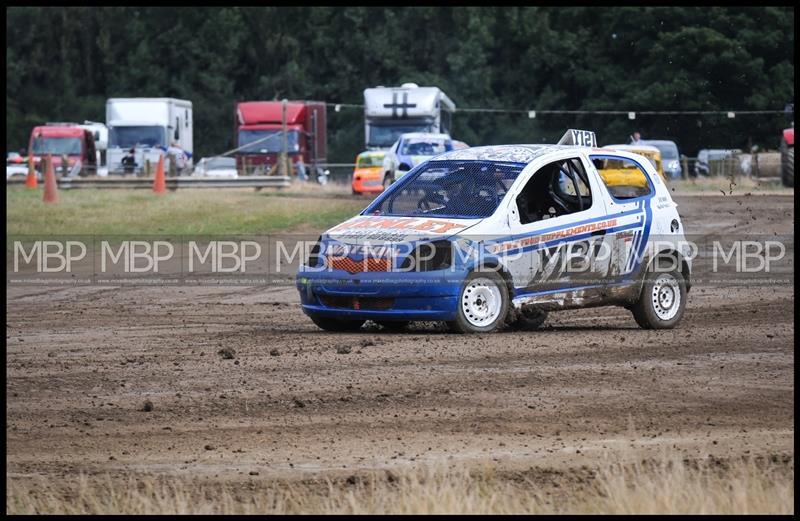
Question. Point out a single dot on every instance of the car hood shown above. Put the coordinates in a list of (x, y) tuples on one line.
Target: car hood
[(376, 230)]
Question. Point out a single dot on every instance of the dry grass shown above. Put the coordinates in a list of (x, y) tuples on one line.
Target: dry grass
[(668, 486), (183, 212)]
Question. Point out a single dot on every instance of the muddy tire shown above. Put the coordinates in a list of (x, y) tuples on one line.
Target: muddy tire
[(337, 326), (529, 320), (482, 304), (392, 326), (787, 164), (662, 301)]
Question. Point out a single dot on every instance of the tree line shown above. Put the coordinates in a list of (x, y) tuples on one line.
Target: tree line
[(62, 63)]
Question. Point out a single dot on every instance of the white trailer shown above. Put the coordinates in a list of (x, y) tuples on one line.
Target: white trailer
[(392, 111), (149, 126)]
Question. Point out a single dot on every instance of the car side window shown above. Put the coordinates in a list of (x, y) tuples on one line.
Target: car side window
[(558, 188), (624, 178)]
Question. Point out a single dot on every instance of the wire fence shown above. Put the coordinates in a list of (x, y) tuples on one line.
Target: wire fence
[(630, 114), (760, 165)]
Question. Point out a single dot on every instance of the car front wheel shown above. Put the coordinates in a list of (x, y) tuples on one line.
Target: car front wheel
[(662, 301), (482, 304)]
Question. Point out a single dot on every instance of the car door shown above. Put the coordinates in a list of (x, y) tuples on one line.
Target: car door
[(628, 188), (558, 227)]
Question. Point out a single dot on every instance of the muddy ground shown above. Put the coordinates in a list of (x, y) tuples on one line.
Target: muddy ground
[(290, 399)]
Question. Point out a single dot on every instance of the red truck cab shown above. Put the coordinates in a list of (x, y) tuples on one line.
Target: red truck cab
[(259, 137), (60, 140)]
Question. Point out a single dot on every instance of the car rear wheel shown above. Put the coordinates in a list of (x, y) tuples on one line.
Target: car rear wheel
[(662, 301), (336, 325), (482, 305)]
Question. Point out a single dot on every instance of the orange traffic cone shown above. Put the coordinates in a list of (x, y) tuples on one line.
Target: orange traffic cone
[(50, 186), (31, 181), (160, 182)]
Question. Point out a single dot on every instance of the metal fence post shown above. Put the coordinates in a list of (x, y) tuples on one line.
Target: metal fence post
[(284, 166), (755, 165)]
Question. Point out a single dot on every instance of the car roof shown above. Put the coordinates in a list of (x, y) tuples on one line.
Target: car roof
[(659, 142), (424, 135), (505, 153), (634, 148)]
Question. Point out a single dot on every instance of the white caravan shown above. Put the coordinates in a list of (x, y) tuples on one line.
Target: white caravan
[(392, 111), (149, 126)]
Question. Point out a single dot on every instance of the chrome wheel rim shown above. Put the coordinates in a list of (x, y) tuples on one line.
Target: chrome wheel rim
[(666, 297), (481, 302)]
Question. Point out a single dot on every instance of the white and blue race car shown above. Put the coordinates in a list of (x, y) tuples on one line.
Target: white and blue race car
[(410, 150), (492, 236)]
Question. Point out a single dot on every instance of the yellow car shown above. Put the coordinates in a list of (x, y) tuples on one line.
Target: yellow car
[(368, 174), (615, 173)]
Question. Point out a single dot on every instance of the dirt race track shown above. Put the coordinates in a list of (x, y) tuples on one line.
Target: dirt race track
[(82, 361)]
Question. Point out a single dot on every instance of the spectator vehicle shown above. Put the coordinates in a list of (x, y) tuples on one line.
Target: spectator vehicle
[(501, 235), (64, 140), (260, 138), (670, 157), (368, 173), (410, 150), (150, 126), (15, 165), (706, 155), (390, 112), (217, 166)]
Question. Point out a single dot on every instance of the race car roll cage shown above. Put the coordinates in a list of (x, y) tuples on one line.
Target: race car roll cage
[(533, 202)]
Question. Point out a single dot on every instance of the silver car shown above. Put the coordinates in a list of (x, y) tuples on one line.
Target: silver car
[(670, 157), (217, 166)]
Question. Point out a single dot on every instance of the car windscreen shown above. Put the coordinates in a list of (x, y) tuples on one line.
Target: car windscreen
[(128, 137), (668, 150), (424, 147), (385, 135), (369, 161), (58, 146), (267, 141), (454, 189)]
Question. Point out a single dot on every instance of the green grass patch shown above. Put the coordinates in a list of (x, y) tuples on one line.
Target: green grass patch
[(183, 212)]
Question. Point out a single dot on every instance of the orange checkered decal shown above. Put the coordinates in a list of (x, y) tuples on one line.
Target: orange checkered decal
[(353, 266)]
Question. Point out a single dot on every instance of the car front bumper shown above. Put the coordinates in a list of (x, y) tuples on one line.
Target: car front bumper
[(380, 295)]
